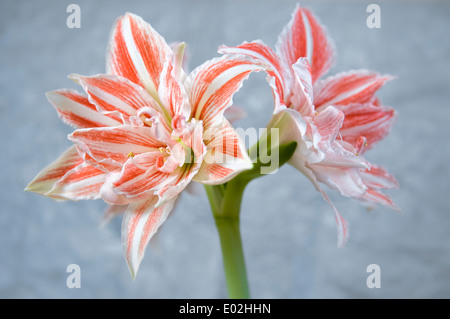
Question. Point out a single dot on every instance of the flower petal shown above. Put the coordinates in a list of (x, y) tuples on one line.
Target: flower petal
[(140, 176), (357, 86), (76, 110), (172, 93), (211, 86), (179, 60), (378, 177), (305, 37), (378, 197), (341, 223), (137, 52), (112, 146), (45, 180), (265, 55), (225, 158), (302, 91), (372, 122), (81, 182), (337, 156), (114, 94), (346, 180), (140, 222), (328, 123)]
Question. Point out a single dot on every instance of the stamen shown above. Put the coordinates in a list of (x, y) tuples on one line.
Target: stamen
[(361, 143), (131, 154), (147, 115), (160, 161), (146, 120)]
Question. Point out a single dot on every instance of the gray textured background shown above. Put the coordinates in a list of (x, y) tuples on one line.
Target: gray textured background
[(288, 231)]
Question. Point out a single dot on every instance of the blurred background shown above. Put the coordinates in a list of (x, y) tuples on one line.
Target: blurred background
[(288, 231)]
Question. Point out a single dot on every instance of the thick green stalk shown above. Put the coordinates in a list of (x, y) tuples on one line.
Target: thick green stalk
[(233, 257), (225, 201), (226, 204)]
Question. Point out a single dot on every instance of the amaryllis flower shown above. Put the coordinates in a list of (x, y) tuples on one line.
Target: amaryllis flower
[(145, 130), (334, 120)]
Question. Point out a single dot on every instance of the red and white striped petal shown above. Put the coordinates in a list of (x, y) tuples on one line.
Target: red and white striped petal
[(114, 94), (225, 158), (337, 156), (179, 60), (372, 122), (81, 182), (137, 52), (341, 223), (76, 110), (211, 86), (112, 146), (140, 222), (302, 90), (265, 55), (172, 93), (378, 177), (377, 197), (45, 180), (346, 180), (328, 123), (140, 176), (357, 86), (305, 37)]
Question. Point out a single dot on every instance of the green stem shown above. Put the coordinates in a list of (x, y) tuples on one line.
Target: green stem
[(233, 257), (225, 204), (225, 201)]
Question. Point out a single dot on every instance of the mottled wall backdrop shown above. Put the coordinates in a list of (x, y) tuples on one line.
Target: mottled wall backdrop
[(288, 231)]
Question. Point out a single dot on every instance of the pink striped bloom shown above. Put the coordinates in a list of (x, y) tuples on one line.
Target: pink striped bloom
[(145, 130), (334, 120)]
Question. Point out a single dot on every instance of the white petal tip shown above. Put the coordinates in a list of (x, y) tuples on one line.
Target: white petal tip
[(49, 94), (341, 242), (396, 209), (35, 188), (133, 271), (75, 77), (28, 189)]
